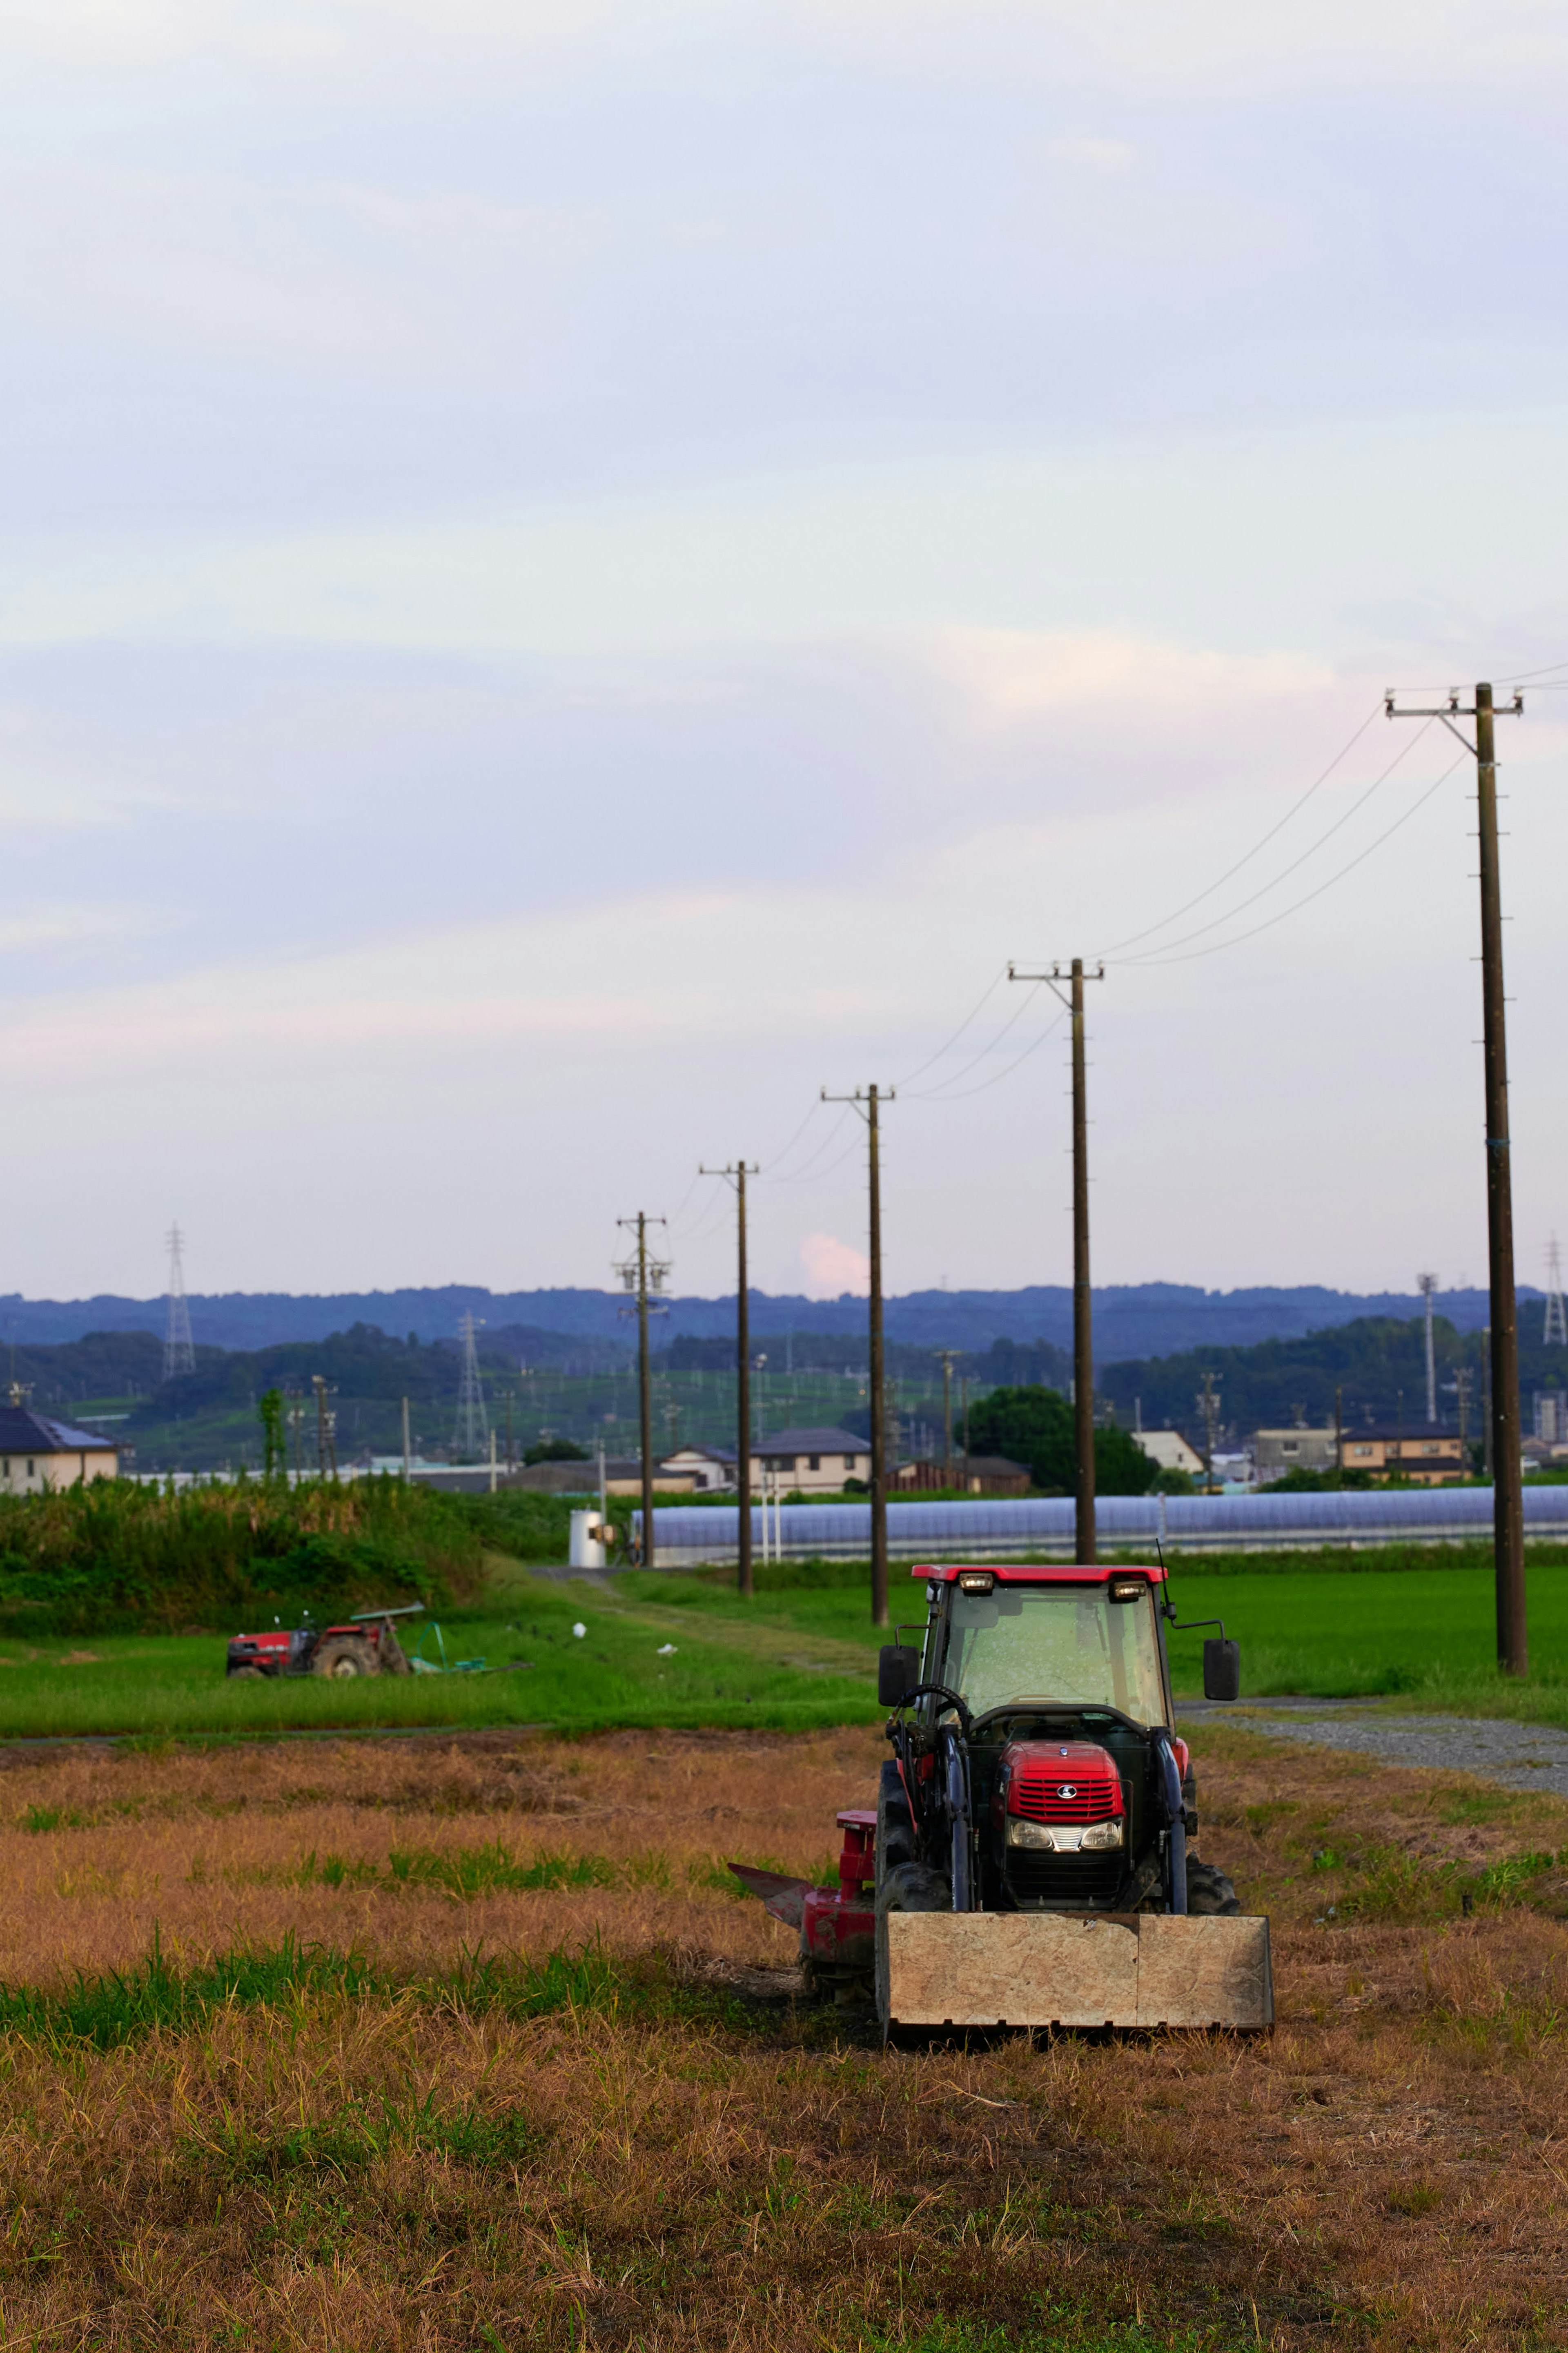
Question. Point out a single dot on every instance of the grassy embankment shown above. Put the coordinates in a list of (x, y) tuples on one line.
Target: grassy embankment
[(387, 2047)]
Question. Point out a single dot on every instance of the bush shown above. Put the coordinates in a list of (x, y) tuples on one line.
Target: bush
[(115, 1557), (1034, 1425)]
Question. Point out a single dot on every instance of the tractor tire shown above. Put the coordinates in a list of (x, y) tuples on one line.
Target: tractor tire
[(895, 1824), (908, 1887), (1208, 1891), (345, 1655)]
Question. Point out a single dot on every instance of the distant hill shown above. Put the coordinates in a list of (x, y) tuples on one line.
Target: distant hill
[(1131, 1320)]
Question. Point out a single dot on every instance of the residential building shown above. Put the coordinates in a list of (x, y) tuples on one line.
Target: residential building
[(1275, 1451), (973, 1474), (1422, 1452), (1171, 1450), (38, 1453), (811, 1459), (701, 1469)]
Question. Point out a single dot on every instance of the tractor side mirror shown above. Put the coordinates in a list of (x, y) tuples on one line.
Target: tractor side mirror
[(897, 1672), (1221, 1670)]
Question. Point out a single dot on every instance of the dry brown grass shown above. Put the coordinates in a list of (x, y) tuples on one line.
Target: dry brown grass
[(409, 2170)]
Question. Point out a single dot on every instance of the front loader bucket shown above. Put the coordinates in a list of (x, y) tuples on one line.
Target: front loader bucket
[(1054, 1969)]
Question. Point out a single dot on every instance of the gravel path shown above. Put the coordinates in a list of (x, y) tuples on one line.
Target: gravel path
[(1519, 1755)]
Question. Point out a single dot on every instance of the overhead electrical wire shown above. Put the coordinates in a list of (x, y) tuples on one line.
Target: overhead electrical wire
[(997, 1076), (1208, 892), (1268, 923), (934, 1095), (921, 1068), (806, 1169), (1162, 955)]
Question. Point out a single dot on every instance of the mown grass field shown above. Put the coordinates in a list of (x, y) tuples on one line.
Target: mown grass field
[(402, 2047)]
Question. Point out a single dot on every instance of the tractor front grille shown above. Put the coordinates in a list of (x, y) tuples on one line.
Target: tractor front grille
[(1038, 1794), (1063, 1879)]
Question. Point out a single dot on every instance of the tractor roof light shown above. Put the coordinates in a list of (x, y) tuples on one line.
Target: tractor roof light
[(1129, 1589), (977, 1580)]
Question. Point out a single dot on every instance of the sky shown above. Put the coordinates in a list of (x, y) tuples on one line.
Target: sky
[(574, 577)]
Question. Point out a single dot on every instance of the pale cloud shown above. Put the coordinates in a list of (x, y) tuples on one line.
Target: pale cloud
[(833, 1267)]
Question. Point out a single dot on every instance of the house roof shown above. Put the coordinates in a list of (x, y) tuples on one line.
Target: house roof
[(1390, 1433), (813, 1442), (23, 1432), (703, 1454)]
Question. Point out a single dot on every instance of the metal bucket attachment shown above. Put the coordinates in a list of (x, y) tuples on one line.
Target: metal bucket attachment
[(1053, 1969)]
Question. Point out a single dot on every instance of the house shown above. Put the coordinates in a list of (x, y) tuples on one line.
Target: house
[(973, 1474), (809, 1460), (37, 1452), (1171, 1450), (703, 1470), (1275, 1451), (1422, 1452)]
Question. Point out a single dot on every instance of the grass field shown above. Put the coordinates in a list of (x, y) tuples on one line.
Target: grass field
[(801, 1654), (420, 2048)]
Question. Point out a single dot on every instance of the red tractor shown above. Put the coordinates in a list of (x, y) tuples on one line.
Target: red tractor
[(1028, 1862), (366, 1645)]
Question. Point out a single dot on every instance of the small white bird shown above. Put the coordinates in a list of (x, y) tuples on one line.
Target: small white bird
[(665, 1650), (579, 1629)]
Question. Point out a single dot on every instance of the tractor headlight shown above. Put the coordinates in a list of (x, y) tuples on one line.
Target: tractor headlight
[(1099, 1836), (1035, 1834)]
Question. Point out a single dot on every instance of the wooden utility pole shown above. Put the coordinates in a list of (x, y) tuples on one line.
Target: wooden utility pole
[(1506, 1434), (867, 1100), (737, 1173), (1339, 1431), (1208, 1403), (1083, 1304), (645, 1275), (946, 1356)]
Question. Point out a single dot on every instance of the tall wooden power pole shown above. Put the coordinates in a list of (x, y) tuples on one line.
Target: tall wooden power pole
[(645, 1275), (1083, 1308), (867, 1102), (946, 1356), (1508, 1490), (737, 1173)]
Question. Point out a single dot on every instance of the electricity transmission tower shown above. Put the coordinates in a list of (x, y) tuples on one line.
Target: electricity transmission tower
[(472, 1432), (179, 1349), (1556, 1323), (1506, 1433), (1427, 1284)]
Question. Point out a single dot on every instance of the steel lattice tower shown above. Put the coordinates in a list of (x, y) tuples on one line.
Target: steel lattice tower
[(471, 1436), (1556, 1323), (179, 1348)]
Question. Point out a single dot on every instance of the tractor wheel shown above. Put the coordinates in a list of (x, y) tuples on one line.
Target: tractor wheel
[(346, 1655), (894, 1827), (1209, 1892), (908, 1887)]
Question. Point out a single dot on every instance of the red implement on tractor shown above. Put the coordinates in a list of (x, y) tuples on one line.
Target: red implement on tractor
[(1028, 1862)]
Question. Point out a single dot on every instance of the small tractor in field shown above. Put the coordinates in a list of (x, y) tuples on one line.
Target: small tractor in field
[(367, 1644), (1028, 1863)]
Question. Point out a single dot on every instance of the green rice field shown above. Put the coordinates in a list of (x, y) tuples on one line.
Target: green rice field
[(683, 1650)]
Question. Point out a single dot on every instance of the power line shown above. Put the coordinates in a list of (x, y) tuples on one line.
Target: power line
[(1208, 894), (1269, 921), (974, 1064), (1159, 954), (921, 1068), (997, 1076), (797, 1176)]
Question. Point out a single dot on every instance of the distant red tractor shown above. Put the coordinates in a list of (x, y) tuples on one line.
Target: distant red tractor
[(366, 1645)]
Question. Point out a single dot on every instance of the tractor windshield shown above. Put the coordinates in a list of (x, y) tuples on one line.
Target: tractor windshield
[(1059, 1643)]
